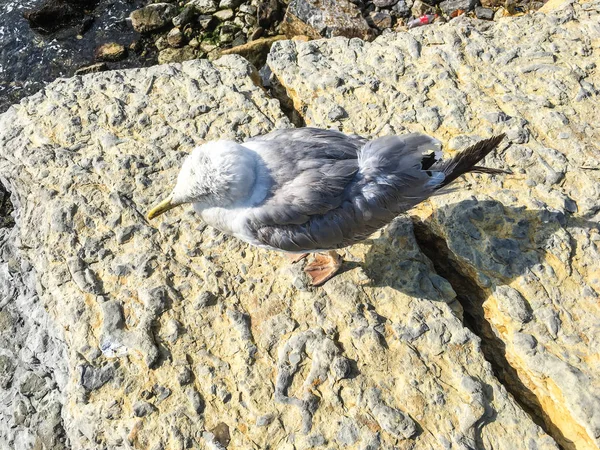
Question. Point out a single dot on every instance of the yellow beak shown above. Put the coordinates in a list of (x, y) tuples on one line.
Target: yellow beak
[(162, 207)]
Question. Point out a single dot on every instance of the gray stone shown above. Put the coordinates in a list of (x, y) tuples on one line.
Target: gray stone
[(93, 378), (450, 6), (152, 17), (381, 19), (175, 37), (143, 409), (223, 15), (204, 6), (187, 15), (384, 3)]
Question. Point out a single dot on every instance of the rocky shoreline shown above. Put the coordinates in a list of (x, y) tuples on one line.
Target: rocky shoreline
[(471, 323)]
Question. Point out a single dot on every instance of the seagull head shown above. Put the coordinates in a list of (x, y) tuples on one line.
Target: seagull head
[(218, 173)]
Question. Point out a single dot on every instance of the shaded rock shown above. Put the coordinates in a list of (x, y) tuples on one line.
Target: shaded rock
[(142, 409), (224, 14), (110, 52), (94, 68), (204, 6), (384, 3), (451, 6), (170, 55), (187, 14), (153, 17), (54, 14), (381, 19), (268, 12), (175, 38), (255, 51), (401, 9), (326, 18), (484, 13)]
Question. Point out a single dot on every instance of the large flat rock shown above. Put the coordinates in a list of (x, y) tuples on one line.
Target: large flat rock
[(176, 336), (521, 251)]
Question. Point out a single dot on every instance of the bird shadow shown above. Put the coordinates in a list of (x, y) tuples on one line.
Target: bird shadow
[(498, 242), (495, 244)]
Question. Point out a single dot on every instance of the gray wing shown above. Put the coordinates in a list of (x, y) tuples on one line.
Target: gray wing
[(390, 176), (308, 169)]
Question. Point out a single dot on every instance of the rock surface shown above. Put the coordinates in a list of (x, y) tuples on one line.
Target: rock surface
[(152, 17), (171, 335), (522, 251), (324, 18)]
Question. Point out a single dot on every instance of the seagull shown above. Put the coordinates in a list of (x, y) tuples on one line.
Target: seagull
[(311, 190)]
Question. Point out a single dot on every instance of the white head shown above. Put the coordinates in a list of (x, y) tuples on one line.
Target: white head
[(218, 173)]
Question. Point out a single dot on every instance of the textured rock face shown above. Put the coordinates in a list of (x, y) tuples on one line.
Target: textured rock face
[(520, 251), (324, 18), (177, 336), (170, 335)]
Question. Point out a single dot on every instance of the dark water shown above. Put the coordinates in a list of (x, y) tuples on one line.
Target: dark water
[(30, 59)]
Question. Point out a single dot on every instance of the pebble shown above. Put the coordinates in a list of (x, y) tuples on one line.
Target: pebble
[(142, 408)]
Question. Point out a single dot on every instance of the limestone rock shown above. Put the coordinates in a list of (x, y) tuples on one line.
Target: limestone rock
[(64, 378), (325, 18), (204, 6), (177, 335), (520, 251), (255, 51), (111, 51), (175, 38), (170, 55), (153, 17)]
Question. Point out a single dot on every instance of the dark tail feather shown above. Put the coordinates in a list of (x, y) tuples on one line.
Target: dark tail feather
[(465, 161)]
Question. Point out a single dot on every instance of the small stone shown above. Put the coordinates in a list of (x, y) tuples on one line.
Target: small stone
[(94, 68), (381, 19), (337, 113), (401, 9), (265, 420), (161, 392), (175, 37), (93, 378), (205, 299), (247, 9), (223, 15), (110, 52), (195, 400), (230, 4), (419, 8), (394, 421), (221, 434), (142, 409), (348, 432), (185, 376), (152, 17), (161, 43), (384, 3), (484, 13), (324, 19), (204, 21), (7, 370), (451, 6)]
